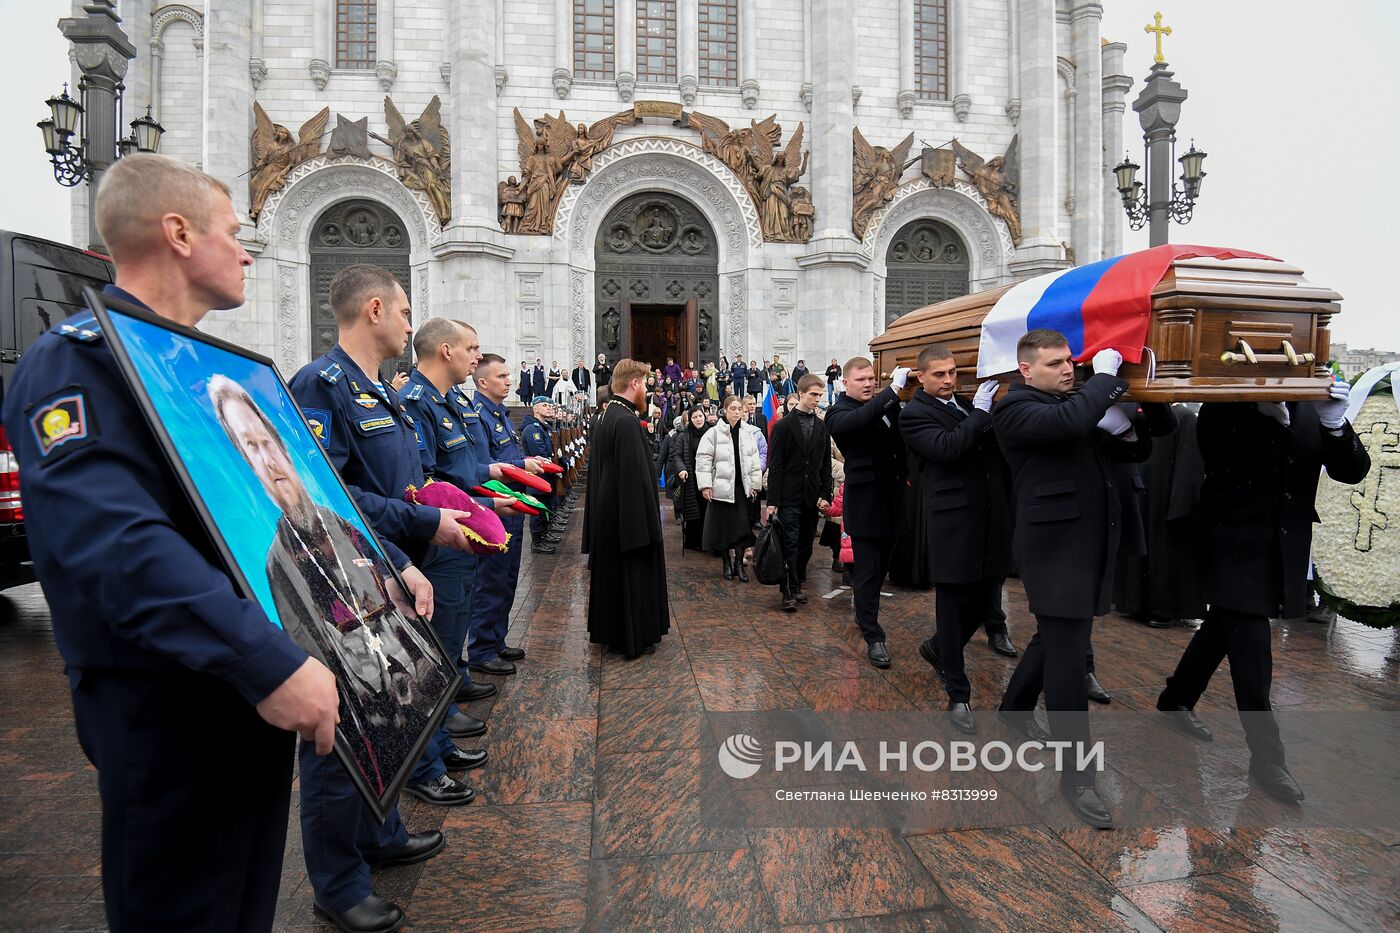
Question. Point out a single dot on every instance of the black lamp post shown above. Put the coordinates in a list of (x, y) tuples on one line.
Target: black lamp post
[(1182, 201)]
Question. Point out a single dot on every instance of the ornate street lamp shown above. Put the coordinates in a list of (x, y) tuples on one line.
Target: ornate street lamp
[(1182, 200), (66, 140)]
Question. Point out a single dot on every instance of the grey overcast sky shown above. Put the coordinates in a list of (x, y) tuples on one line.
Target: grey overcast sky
[(1295, 101)]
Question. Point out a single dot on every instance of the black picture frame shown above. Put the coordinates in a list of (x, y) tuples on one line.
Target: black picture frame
[(347, 613)]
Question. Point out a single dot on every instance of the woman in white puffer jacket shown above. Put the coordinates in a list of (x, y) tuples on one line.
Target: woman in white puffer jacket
[(730, 473)]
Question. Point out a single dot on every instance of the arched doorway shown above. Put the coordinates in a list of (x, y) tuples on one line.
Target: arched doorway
[(349, 232), (657, 282), (927, 262)]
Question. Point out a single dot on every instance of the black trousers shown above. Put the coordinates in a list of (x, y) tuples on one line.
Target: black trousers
[(1245, 640), (995, 623), (1053, 662), (195, 789), (961, 609), (799, 529), (872, 557)]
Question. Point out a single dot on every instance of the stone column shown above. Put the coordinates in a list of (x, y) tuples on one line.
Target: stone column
[(748, 53), (1158, 108), (806, 90), (908, 95), (157, 52), (228, 96), (322, 42), (958, 39), (136, 21), (564, 47), (502, 75), (385, 68), (625, 47), (688, 49), (1115, 92), (1086, 228), (257, 68), (1039, 249), (1013, 69), (830, 286), (471, 275)]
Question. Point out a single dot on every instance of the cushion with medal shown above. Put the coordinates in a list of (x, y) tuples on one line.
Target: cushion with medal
[(482, 528), (521, 498), (517, 475)]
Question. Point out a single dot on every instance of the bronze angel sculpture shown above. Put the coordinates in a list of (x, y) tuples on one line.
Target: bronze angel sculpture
[(422, 154), (778, 169), (276, 153), (997, 180), (875, 176), (554, 154), (734, 147)]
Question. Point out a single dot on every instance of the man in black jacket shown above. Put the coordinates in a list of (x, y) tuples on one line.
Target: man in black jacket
[(865, 425), (581, 377), (1262, 463), (965, 495), (799, 478), (1059, 446)]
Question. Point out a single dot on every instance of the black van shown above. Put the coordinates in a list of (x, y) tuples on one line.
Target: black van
[(41, 284)]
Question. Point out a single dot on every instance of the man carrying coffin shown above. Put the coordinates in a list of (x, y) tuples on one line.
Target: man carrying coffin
[(1060, 446), (965, 496), (627, 606)]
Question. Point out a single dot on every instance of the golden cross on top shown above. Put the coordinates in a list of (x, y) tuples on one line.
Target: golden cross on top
[(1161, 31)]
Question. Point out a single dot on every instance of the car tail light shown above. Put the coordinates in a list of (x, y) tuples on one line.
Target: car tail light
[(11, 510)]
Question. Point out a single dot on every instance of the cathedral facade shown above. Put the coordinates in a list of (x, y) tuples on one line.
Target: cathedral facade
[(640, 177)]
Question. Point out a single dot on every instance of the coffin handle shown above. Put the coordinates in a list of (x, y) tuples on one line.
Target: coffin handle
[(1244, 354), (1294, 357)]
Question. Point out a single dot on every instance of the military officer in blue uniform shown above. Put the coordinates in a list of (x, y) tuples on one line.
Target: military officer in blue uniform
[(170, 668), (372, 442), (493, 593), (537, 438)]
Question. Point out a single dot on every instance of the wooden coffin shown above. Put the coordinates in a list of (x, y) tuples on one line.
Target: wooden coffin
[(1236, 330)]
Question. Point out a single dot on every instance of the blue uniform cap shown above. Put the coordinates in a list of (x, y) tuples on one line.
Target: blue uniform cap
[(541, 398)]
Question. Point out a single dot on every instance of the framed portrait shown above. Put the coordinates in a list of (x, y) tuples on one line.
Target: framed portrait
[(291, 535)]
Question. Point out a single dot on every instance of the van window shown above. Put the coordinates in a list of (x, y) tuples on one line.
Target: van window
[(48, 282)]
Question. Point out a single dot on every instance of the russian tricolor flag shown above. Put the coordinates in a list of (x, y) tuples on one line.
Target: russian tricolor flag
[(1101, 305)]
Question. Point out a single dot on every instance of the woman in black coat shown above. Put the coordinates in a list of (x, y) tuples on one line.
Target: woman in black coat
[(689, 503)]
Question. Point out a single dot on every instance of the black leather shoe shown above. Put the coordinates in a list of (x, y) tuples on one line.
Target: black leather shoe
[(374, 914), (472, 692), (836, 565), (497, 665), (877, 654), (419, 848), (542, 547), (511, 653), (1095, 690), (800, 596), (960, 715), (443, 790), (1182, 719), (1024, 724), (464, 759), (741, 570), (1275, 781), (789, 604), (728, 567), (1087, 805), (1002, 645), (462, 726), (929, 653), (1154, 622)]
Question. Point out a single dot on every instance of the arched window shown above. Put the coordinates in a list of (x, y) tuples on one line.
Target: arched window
[(719, 42), (593, 39), (656, 40), (931, 48), (355, 27)]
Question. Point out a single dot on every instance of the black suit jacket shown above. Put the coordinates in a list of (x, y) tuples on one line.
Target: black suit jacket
[(582, 379), (799, 473), (1257, 501), (868, 435), (965, 489), (1068, 513)]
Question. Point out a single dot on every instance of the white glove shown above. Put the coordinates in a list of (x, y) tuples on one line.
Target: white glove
[(1115, 422), (1275, 410), (900, 376), (1107, 361), (985, 393), (1333, 412)]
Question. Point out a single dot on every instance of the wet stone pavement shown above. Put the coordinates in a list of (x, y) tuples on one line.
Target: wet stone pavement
[(588, 815)]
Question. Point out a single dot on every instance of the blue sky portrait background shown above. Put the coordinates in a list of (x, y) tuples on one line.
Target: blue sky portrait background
[(176, 371)]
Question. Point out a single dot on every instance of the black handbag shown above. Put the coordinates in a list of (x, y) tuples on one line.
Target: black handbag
[(769, 562)]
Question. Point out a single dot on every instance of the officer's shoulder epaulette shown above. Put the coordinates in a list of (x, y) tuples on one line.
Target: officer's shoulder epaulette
[(476, 406), (332, 373), (81, 327), (414, 391)]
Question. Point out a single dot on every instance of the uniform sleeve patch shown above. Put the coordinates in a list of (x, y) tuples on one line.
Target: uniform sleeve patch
[(319, 420), (63, 421)]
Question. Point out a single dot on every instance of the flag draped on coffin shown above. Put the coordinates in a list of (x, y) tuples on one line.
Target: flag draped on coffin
[(1102, 305)]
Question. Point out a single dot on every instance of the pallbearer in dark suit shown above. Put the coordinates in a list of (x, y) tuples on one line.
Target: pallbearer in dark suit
[(1059, 447), (1262, 463), (865, 426), (799, 480), (965, 498)]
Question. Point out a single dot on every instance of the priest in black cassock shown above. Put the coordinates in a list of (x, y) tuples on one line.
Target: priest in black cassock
[(627, 607)]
